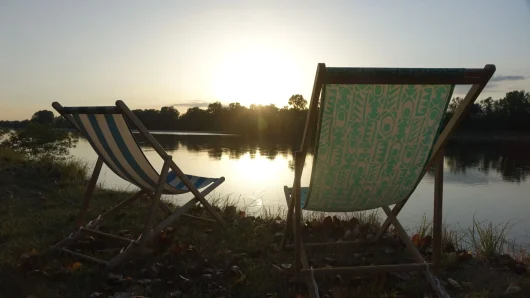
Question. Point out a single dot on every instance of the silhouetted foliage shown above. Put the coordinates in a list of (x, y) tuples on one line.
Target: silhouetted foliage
[(38, 140), (511, 113), (298, 102), (43, 117)]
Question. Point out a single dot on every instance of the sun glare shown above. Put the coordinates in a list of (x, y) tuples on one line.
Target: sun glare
[(256, 76)]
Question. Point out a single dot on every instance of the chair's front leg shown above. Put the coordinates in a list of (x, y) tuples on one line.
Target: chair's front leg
[(154, 204), (289, 221), (89, 192)]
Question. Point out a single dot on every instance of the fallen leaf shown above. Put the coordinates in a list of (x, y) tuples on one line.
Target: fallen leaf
[(75, 266), (176, 249), (240, 279), (416, 239)]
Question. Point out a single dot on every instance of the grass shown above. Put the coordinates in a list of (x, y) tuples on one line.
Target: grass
[(488, 240), (39, 200)]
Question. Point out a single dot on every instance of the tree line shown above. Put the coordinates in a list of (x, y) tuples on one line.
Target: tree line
[(510, 113)]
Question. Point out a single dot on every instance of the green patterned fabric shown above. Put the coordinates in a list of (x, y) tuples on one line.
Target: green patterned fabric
[(373, 143)]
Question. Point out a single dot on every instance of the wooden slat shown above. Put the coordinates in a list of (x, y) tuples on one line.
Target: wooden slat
[(58, 107), (88, 110), (312, 114), (405, 76), (318, 244), (362, 270), (89, 192), (82, 256), (102, 234)]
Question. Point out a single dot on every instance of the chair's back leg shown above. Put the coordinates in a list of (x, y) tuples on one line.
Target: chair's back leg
[(89, 192), (437, 216), (198, 195)]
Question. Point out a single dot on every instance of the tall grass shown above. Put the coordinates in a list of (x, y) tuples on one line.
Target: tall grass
[(488, 240), (424, 228), (60, 170), (452, 240)]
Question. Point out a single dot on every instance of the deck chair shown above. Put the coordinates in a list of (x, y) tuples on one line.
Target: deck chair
[(378, 130), (108, 129)]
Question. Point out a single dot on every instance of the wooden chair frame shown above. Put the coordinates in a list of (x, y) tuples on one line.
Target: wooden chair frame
[(478, 78), (135, 246)]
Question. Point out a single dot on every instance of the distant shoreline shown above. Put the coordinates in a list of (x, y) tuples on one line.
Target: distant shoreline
[(466, 136), (470, 136)]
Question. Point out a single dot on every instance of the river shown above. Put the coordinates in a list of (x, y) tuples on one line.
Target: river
[(488, 181)]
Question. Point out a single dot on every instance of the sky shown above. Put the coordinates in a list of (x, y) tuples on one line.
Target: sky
[(190, 53)]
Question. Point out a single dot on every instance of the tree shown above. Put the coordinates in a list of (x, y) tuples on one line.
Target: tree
[(43, 117), (487, 105), (298, 102), (215, 107), (38, 140)]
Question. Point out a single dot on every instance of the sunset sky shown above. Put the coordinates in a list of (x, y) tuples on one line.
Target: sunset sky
[(188, 53)]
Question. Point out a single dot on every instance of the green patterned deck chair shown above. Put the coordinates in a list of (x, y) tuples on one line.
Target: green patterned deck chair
[(377, 130), (108, 129)]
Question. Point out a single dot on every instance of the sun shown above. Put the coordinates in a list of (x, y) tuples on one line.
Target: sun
[(256, 76)]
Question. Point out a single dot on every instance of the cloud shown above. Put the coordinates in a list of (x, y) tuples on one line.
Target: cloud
[(491, 87), (192, 103), (501, 78)]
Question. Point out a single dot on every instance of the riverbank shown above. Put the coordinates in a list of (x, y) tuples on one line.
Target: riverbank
[(39, 200), (470, 136), (491, 137)]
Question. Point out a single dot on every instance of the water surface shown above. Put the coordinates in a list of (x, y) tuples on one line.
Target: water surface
[(489, 181)]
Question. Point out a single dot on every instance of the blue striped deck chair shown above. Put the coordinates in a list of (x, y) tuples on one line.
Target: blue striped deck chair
[(377, 131), (108, 129)]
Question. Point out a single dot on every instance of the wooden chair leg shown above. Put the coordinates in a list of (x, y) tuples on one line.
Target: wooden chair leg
[(89, 192), (435, 283), (289, 221), (155, 201), (297, 229), (437, 216)]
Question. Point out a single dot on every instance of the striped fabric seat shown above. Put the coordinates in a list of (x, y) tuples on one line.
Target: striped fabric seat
[(198, 182), (112, 139)]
